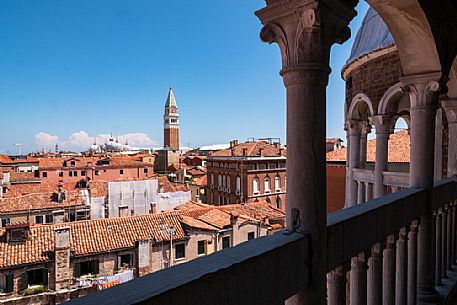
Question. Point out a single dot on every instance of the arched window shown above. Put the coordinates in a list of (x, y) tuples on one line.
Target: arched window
[(212, 181), (277, 184), (266, 183), (219, 182), (212, 198), (255, 186), (219, 202), (278, 203), (228, 184), (238, 185), (223, 182)]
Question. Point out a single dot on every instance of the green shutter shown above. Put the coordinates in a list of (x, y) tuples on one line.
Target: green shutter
[(24, 281), (9, 283), (77, 269), (95, 266), (45, 277)]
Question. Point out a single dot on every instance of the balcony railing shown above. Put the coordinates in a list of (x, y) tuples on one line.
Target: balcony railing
[(270, 269)]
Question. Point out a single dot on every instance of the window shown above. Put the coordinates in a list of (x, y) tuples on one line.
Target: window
[(255, 186), (121, 171), (254, 166), (73, 173), (39, 219), (201, 247), (45, 174), (238, 185), (86, 268), (228, 183), (60, 173), (223, 182), (97, 172), (225, 242), (266, 183), (250, 235), (277, 183), (124, 261), (278, 203), (72, 163), (83, 173), (219, 182), (49, 218), (212, 180), (6, 282), (5, 221), (145, 170), (34, 277), (180, 251), (19, 234)]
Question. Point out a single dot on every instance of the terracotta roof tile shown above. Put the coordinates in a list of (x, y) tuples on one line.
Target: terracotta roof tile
[(251, 149)]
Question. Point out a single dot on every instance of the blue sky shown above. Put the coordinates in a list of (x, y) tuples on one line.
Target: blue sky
[(71, 70)]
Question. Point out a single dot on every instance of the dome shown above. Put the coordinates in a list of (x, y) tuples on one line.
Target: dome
[(372, 35)]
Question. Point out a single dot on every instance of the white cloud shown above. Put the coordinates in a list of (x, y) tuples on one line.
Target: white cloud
[(81, 140), (45, 140)]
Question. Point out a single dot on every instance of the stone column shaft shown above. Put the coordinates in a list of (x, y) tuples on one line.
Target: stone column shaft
[(336, 287), (438, 249), (444, 243), (358, 292), (360, 192), (354, 162), (450, 107), (401, 269), (412, 264), (449, 239), (374, 275), (368, 191), (388, 277)]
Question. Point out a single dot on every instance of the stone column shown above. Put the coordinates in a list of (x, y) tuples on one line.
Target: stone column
[(388, 270), (336, 288), (358, 292), (374, 289), (360, 192), (454, 234), (365, 130), (401, 269), (444, 243), (423, 92), (412, 264), (450, 107), (353, 128), (368, 191), (438, 258), (305, 45), (383, 128)]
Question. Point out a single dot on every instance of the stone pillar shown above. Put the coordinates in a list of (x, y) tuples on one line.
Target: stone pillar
[(368, 191), (388, 272), (305, 45), (360, 192), (450, 107), (449, 239), (444, 243), (365, 130), (423, 92), (454, 234), (354, 130), (438, 249), (412, 264), (336, 287), (358, 292), (401, 269), (374, 289), (383, 127), (439, 145), (62, 269)]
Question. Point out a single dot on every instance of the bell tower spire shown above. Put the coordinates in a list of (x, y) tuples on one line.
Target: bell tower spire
[(171, 122)]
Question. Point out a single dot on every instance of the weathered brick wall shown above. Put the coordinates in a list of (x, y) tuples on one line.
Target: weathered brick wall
[(373, 78)]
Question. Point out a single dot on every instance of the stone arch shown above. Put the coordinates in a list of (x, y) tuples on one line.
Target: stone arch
[(412, 33), (361, 107), (395, 101)]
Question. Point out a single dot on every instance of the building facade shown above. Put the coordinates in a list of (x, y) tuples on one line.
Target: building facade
[(247, 172)]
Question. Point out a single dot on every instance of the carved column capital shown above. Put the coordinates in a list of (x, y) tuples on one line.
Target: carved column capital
[(384, 124), (450, 108), (353, 127), (305, 30), (423, 89)]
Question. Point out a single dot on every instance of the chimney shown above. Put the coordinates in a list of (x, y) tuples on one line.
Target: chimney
[(233, 143), (63, 271), (234, 223), (60, 196), (266, 220), (144, 254), (6, 177), (59, 216), (245, 151), (260, 151), (277, 145)]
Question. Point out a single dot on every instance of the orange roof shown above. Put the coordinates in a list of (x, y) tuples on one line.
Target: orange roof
[(23, 176), (38, 201), (6, 159), (251, 149), (89, 237), (202, 181), (399, 149)]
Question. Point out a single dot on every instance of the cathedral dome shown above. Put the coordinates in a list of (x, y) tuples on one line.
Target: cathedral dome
[(372, 35)]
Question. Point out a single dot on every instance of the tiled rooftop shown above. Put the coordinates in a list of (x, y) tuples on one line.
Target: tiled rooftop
[(251, 149)]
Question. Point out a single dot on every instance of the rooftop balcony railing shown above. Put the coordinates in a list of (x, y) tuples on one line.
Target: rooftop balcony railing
[(376, 240)]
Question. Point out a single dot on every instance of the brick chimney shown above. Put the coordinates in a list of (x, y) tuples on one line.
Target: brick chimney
[(235, 228), (144, 253), (63, 271), (233, 143)]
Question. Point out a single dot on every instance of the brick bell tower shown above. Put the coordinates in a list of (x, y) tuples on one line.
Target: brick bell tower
[(171, 122)]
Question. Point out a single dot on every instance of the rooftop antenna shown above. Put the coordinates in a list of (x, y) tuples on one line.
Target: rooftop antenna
[(20, 147)]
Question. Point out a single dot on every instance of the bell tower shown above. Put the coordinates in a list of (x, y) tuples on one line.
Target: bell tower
[(171, 122)]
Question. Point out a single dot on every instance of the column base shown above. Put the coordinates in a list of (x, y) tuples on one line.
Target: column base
[(427, 295)]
